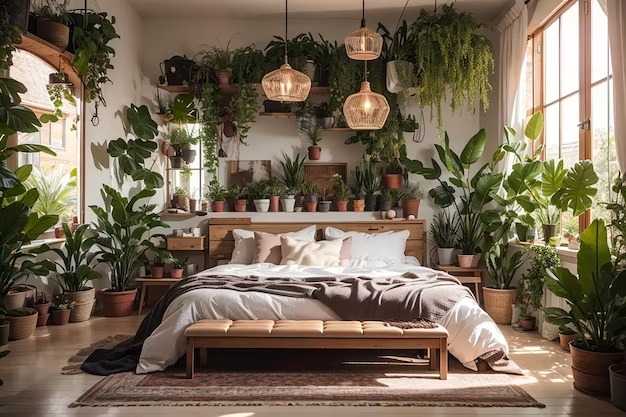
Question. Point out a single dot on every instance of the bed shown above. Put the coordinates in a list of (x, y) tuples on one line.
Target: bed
[(472, 333)]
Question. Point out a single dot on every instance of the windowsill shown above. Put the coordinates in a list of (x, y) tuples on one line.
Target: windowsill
[(38, 242), (563, 251)]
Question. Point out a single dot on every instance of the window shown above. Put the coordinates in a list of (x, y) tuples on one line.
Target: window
[(569, 80), (54, 176)]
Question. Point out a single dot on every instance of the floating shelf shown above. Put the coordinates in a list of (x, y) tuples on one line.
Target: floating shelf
[(265, 114), (231, 89), (49, 53), (340, 129), (184, 215)]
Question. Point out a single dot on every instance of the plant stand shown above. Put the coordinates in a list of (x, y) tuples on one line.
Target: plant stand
[(471, 276)]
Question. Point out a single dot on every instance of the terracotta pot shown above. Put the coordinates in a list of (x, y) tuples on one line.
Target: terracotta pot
[(181, 201), (528, 323), (323, 206), (274, 203), (42, 309), (118, 303), (192, 205), (392, 181), (476, 260), (157, 271), (218, 206), (60, 317), (370, 202), (591, 369), (498, 304), (342, 205), (177, 273), (240, 205), (311, 206), (565, 339), (445, 256), (58, 233), (359, 205), (410, 207), (314, 153), (56, 33), (617, 376), (465, 261), (223, 77), (4, 333), (42, 319), (23, 327)]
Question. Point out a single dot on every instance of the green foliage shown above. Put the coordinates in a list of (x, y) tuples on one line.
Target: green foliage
[(244, 107), (179, 137), (300, 48), (450, 56), (530, 291), (292, 176), (75, 266), (210, 120), (182, 109), (264, 189), (9, 35), (92, 32), (178, 263), (62, 302), (132, 154), (54, 10), (341, 189), (310, 188), (367, 178), (314, 134), (501, 267), (235, 192), (596, 297), (13, 116), (444, 229), (57, 191), (617, 225), (57, 94), (122, 227), (248, 65), (413, 192), (219, 58), (345, 78), (215, 192)]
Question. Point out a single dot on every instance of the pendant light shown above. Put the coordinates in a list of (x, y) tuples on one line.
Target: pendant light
[(285, 83), (366, 110), (363, 44)]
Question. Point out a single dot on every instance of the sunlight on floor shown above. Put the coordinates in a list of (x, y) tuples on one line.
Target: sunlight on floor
[(237, 415)]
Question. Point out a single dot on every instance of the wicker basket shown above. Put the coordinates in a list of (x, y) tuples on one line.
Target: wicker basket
[(23, 327), (498, 304), (84, 301)]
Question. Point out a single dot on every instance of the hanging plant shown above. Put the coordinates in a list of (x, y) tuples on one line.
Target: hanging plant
[(10, 35), (451, 56), (245, 108), (210, 120), (345, 78), (58, 94)]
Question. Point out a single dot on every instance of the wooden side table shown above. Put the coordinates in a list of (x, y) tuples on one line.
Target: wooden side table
[(465, 276), (144, 283)]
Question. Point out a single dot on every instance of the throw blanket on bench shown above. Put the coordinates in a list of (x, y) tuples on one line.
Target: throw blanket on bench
[(405, 298)]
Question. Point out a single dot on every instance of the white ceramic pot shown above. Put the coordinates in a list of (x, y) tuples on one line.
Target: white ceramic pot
[(288, 203), (309, 69), (399, 75), (445, 256), (262, 205)]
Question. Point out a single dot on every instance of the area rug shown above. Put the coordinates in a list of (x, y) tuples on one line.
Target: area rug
[(312, 379)]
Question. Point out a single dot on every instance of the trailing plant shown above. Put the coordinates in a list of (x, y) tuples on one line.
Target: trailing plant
[(292, 176), (502, 267), (244, 108), (530, 290), (74, 269), (341, 189), (10, 35), (367, 177), (617, 226), (444, 229), (248, 65), (596, 297), (133, 155), (54, 10), (450, 56), (57, 94), (210, 119), (185, 173), (122, 227), (57, 191)]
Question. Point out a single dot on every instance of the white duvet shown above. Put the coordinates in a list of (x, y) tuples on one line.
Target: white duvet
[(472, 332)]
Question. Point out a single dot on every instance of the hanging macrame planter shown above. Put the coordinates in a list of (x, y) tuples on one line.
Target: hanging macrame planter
[(399, 75)]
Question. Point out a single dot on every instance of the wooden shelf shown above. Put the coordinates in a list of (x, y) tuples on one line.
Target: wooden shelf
[(49, 53), (168, 214), (231, 89), (265, 114), (340, 129), (176, 88)]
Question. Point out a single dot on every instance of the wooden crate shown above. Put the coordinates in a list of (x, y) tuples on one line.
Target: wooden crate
[(186, 243)]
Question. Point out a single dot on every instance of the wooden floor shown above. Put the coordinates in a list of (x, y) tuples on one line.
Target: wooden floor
[(35, 387)]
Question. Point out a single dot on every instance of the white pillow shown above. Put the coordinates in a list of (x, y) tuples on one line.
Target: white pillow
[(245, 245), (387, 247), (322, 253)]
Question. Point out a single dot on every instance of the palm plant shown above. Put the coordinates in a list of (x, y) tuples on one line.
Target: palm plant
[(444, 229), (293, 173), (57, 191)]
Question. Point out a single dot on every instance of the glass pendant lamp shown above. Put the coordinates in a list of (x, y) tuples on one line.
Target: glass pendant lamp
[(285, 83), (366, 110), (363, 44)]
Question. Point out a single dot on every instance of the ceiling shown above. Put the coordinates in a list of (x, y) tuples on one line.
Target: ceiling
[(485, 10)]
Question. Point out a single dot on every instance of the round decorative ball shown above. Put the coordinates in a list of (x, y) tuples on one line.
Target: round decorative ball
[(411, 217), (391, 214)]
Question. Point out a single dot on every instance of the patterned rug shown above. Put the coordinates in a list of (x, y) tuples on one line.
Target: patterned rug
[(310, 378)]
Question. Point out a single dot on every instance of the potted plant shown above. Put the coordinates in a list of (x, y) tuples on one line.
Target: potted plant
[(158, 267), (566, 336), (323, 56), (310, 190), (180, 198), (260, 193), (274, 188), (123, 244), (386, 199), (74, 270), (221, 60), (411, 200), (181, 140), (596, 310), (61, 309), (342, 193), (163, 103), (178, 267), (232, 193), (324, 115), (292, 178), (369, 181), (52, 21), (400, 55), (501, 268), (22, 322), (241, 201), (392, 178), (323, 205), (248, 65), (617, 377), (42, 305), (217, 195), (443, 231), (193, 203), (314, 136)]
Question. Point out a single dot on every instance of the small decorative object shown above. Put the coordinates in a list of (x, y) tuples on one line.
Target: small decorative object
[(555, 241), (342, 192), (363, 44), (58, 232), (178, 267), (285, 83), (391, 214), (566, 335), (410, 217)]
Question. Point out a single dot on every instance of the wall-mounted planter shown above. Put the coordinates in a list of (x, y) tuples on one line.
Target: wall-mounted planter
[(176, 162), (56, 33), (399, 75), (392, 181)]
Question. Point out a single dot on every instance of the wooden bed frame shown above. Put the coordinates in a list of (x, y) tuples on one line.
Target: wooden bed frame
[(222, 243)]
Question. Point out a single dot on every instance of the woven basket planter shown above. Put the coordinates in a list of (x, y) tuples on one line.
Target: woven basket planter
[(498, 304), (83, 304), (23, 327)]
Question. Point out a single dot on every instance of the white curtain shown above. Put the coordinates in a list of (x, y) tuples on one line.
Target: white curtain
[(512, 89), (616, 14)]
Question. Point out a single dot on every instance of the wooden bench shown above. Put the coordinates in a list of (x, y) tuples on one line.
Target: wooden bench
[(314, 334)]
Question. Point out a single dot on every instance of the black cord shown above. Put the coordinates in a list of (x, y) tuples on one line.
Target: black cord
[(363, 15), (402, 14), (286, 32)]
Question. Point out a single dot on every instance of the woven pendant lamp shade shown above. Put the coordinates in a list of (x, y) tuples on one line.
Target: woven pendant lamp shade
[(286, 84), (363, 44), (366, 110)]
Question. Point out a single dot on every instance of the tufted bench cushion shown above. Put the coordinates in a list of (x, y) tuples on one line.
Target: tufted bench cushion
[(300, 334)]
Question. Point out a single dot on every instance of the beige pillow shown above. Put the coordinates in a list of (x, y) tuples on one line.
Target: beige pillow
[(322, 253), (268, 248)]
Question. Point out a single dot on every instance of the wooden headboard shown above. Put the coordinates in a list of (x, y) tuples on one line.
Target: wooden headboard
[(222, 243)]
